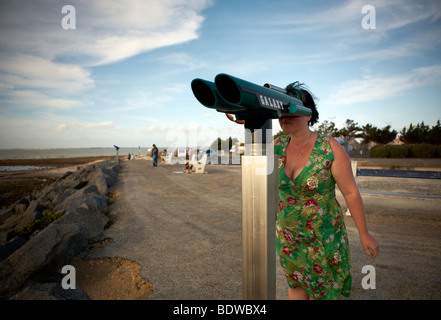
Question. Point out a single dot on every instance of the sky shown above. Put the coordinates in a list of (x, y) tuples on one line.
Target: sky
[(99, 73)]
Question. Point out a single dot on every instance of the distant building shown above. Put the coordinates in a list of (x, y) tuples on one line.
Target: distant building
[(397, 141), (353, 143)]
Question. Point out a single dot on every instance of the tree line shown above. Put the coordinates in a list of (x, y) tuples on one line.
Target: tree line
[(414, 134), (419, 141), (419, 134), (226, 144)]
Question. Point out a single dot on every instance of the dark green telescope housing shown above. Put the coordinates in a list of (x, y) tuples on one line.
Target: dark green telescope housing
[(247, 100)]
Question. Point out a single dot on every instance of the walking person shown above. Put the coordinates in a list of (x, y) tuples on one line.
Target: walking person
[(155, 155), (311, 237)]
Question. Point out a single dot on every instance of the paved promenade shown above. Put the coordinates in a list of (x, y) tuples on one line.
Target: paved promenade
[(185, 232)]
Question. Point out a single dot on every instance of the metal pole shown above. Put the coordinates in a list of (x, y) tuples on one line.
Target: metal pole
[(259, 205)]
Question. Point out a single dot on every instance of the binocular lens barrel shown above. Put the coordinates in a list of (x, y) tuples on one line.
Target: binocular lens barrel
[(245, 99), (204, 93), (228, 89)]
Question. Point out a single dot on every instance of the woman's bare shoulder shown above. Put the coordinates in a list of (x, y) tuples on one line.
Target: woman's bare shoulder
[(335, 145)]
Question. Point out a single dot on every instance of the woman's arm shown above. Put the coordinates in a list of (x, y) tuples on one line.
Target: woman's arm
[(342, 173)]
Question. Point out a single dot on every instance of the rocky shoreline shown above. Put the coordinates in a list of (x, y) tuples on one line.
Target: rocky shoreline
[(31, 259), (16, 184)]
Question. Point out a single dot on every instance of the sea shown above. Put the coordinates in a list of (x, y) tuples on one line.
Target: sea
[(7, 154)]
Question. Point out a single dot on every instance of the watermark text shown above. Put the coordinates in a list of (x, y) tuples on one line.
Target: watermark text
[(369, 20), (69, 21)]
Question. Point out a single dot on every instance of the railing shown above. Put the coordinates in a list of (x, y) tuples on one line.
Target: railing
[(393, 173)]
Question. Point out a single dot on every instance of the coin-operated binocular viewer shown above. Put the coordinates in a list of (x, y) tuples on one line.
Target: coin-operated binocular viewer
[(257, 106), (254, 104)]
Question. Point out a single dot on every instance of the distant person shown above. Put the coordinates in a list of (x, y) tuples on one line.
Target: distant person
[(311, 238), (164, 155), (189, 165), (129, 157), (155, 155)]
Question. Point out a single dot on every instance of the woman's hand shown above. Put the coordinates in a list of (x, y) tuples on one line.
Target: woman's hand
[(230, 117), (370, 245)]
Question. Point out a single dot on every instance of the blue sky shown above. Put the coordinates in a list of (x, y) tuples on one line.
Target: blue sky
[(123, 75)]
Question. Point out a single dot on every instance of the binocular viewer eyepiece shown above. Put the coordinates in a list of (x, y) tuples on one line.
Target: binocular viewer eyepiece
[(247, 100)]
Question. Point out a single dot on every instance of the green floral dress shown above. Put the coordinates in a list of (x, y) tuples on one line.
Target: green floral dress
[(311, 240)]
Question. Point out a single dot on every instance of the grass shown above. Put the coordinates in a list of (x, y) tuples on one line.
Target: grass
[(46, 218)]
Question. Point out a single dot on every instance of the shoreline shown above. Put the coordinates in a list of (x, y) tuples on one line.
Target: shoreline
[(15, 185), (44, 230), (52, 162)]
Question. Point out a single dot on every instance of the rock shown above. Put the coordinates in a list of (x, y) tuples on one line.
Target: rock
[(68, 173), (103, 178), (11, 222), (88, 201), (82, 196), (92, 222), (10, 247), (41, 257), (18, 221), (5, 214), (6, 235), (31, 214), (21, 205), (50, 291), (81, 184), (60, 191), (90, 189), (99, 180)]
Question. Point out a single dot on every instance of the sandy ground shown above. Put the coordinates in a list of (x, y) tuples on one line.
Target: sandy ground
[(178, 236), (185, 233), (111, 279)]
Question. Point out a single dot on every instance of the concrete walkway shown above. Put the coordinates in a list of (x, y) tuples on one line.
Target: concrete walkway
[(185, 232)]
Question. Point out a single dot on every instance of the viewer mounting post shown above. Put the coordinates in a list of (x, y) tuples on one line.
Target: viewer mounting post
[(257, 106), (259, 205), (117, 152)]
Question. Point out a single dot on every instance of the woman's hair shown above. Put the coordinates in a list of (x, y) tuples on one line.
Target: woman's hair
[(299, 91)]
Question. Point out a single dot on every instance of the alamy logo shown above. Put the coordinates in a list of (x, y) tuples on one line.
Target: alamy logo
[(69, 20), (69, 280), (369, 20), (368, 281)]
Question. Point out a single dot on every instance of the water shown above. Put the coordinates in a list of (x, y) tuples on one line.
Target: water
[(6, 154), (22, 168)]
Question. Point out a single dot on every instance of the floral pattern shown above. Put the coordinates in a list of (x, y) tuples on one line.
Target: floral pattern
[(312, 241)]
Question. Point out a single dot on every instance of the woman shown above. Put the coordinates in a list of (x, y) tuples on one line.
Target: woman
[(311, 237)]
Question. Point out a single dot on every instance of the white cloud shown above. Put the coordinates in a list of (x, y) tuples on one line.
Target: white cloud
[(100, 125), (391, 14), (27, 99), (106, 30), (373, 88), (22, 70), (157, 128), (61, 128), (43, 65), (38, 132), (30, 81)]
